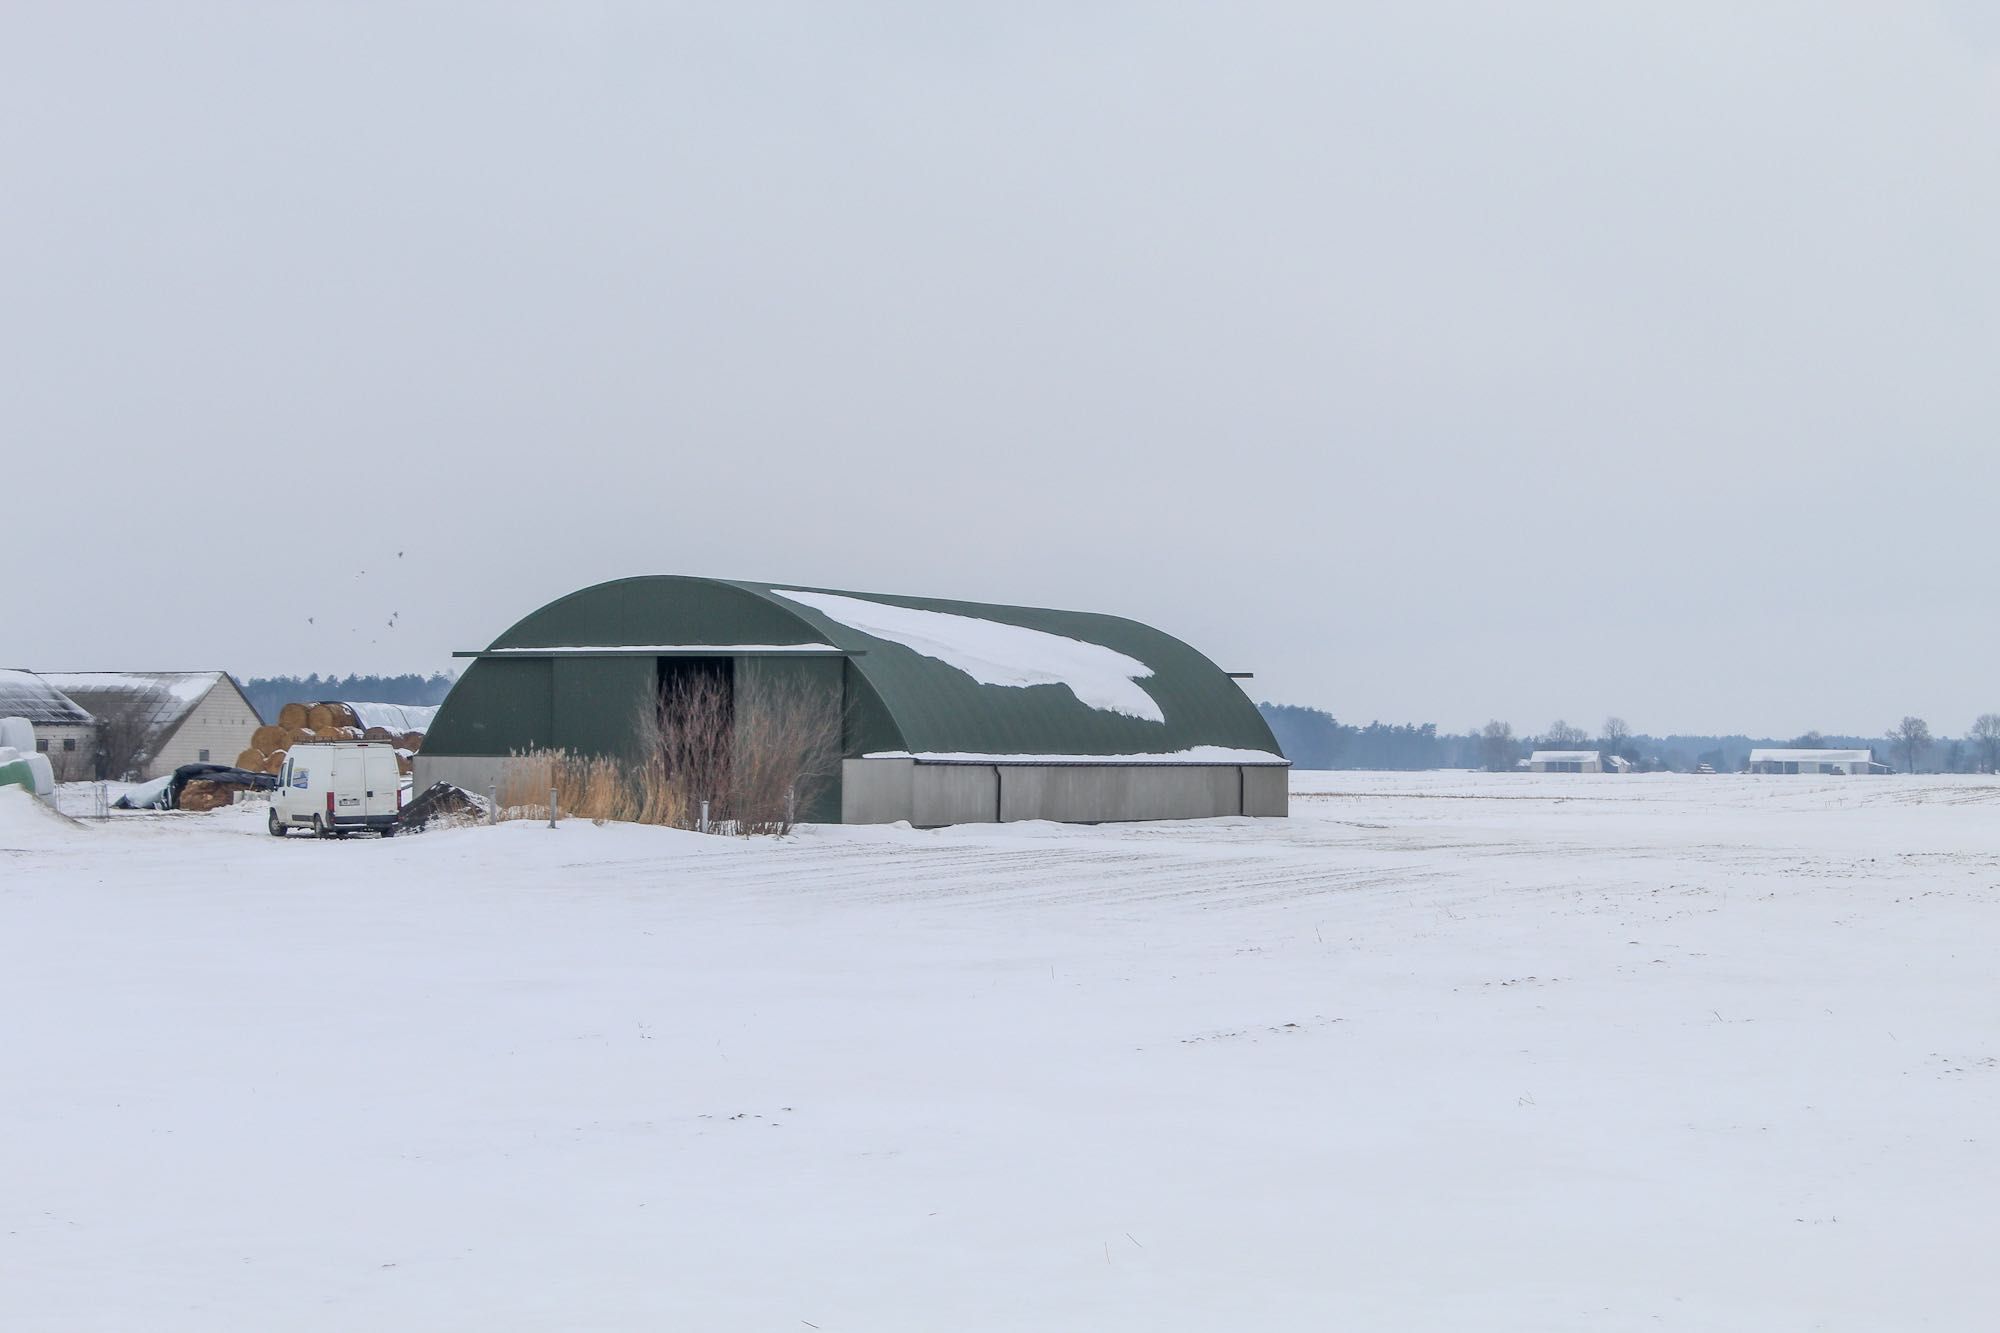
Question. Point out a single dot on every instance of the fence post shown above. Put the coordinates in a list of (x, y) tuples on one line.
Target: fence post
[(552, 807), (492, 802), (791, 806), (703, 825)]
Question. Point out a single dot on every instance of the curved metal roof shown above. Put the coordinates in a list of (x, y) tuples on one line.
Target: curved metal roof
[(951, 676)]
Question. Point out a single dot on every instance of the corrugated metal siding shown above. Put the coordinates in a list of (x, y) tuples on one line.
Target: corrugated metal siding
[(598, 703), (496, 709)]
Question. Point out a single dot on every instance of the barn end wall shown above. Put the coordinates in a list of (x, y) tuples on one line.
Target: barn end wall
[(884, 791)]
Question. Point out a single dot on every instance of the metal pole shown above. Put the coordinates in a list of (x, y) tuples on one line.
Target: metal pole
[(791, 806), (552, 807), (492, 802), (703, 826)]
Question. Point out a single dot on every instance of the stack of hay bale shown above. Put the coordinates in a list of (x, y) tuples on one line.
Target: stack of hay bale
[(200, 794), (329, 720)]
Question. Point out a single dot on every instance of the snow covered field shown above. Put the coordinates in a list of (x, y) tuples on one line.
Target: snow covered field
[(1442, 1051)]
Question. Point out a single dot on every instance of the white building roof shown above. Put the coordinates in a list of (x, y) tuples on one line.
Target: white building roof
[(1563, 756), (25, 694), (159, 700), (394, 717), (1810, 756)]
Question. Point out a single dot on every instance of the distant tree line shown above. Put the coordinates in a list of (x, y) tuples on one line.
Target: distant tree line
[(1313, 738), (267, 694)]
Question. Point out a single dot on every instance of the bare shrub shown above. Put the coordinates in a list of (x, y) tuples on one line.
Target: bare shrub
[(786, 755), (688, 745), (124, 736)]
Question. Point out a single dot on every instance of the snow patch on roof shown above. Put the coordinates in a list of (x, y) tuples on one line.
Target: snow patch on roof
[(1563, 756), (1810, 756), (1198, 754), (689, 649), (993, 653)]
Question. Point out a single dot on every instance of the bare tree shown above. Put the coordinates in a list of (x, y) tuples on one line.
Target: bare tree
[(1496, 746), (1910, 738), (1812, 740), (124, 736), (1985, 736), (1618, 737), (1562, 736)]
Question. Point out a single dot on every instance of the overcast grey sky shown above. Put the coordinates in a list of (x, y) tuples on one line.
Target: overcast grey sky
[(1437, 362)]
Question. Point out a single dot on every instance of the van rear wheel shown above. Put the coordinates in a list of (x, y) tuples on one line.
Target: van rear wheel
[(277, 827), (320, 830)]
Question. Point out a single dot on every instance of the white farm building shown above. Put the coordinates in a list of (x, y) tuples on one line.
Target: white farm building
[(162, 719), (1575, 761), (1814, 761)]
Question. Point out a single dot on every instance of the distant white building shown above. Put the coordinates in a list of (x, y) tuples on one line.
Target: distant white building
[(1568, 761), (163, 718), (1814, 761)]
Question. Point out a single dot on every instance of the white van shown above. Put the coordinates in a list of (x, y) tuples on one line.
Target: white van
[(337, 787)]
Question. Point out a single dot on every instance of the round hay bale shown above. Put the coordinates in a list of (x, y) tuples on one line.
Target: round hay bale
[(319, 717), (342, 715), (349, 733), (327, 734), (404, 765), (410, 740), (265, 738), (251, 760), (200, 795), (292, 716), (274, 762), (378, 734), (299, 736)]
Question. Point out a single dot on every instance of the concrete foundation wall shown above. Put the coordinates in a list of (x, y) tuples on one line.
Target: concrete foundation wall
[(883, 791), (475, 773), (877, 791), (955, 794), (1267, 792)]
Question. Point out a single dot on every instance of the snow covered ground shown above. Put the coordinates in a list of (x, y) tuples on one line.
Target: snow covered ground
[(1442, 1051)]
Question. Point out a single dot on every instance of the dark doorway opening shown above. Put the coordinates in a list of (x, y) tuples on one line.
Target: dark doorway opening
[(692, 685)]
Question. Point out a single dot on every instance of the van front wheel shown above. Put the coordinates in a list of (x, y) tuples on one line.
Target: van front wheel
[(277, 828)]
